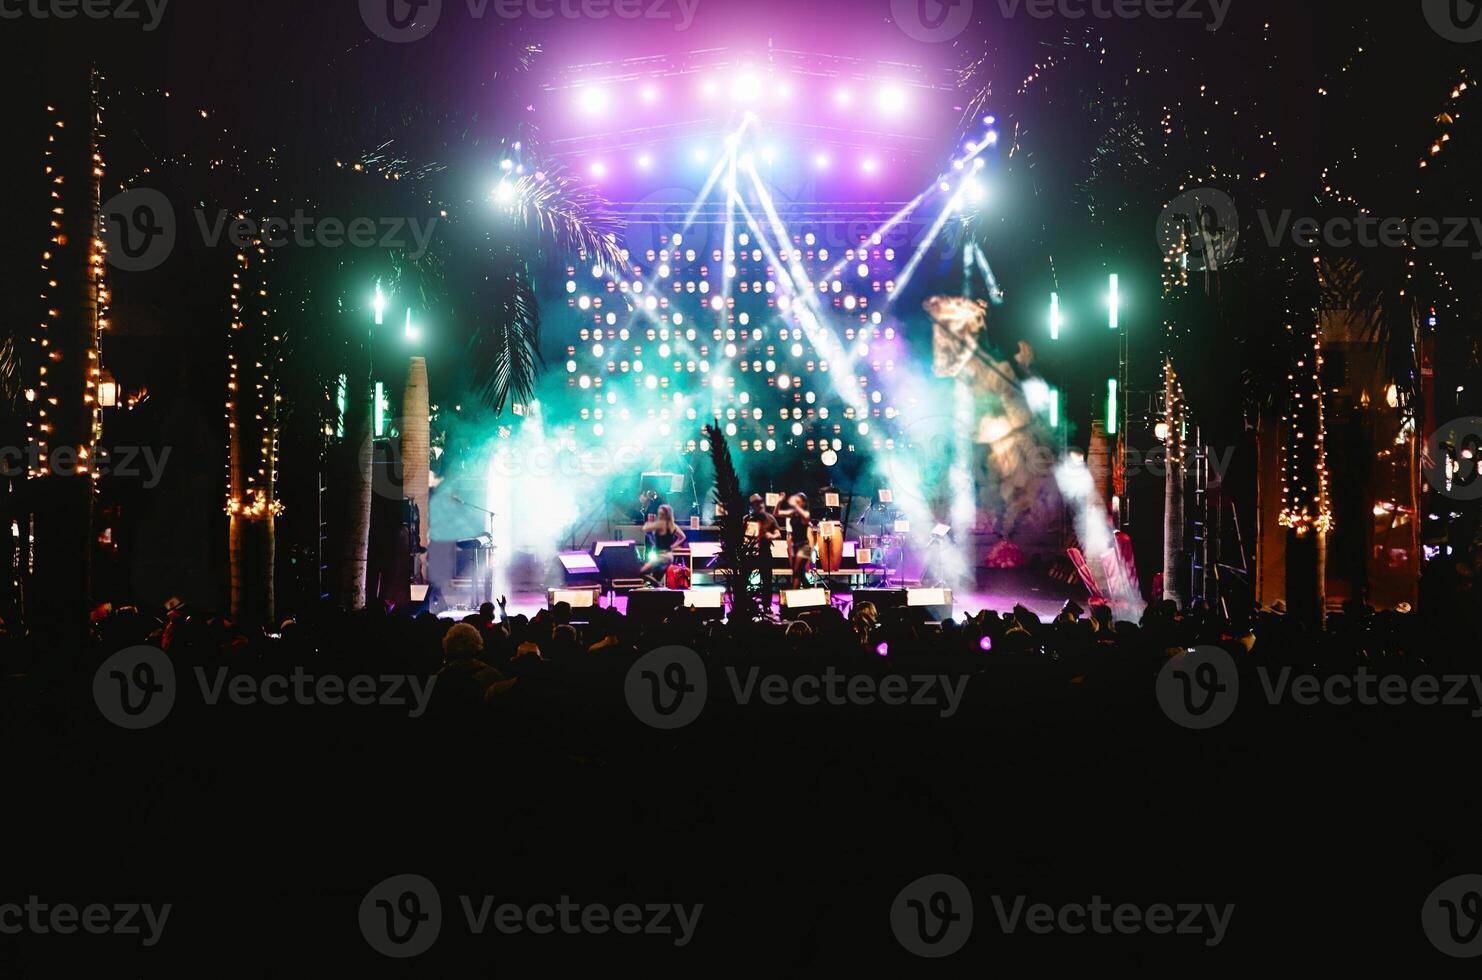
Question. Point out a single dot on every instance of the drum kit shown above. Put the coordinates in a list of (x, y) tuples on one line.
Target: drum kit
[(879, 546)]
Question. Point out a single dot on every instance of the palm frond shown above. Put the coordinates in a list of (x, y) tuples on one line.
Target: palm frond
[(504, 357), (570, 215), (739, 554)]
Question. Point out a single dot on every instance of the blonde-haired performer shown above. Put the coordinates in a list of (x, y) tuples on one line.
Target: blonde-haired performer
[(663, 537)]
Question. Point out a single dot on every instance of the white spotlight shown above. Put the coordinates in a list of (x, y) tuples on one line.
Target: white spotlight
[(592, 99), (892, 98)]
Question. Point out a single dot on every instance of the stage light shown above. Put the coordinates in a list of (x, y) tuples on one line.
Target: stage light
[(989, 120), (868, 165), (829, 457), (1113, 302), (645, 161), (592, 100), (992, 138), (892, 98), (769, 154), (746, 87), (379, 303), (701, 154), (843, 97), (649, 94), (1111, 406), (708, 87), (598, 169), (1054, 316), (883, 649), (1161, 431), (504, 192), (784, 91), (985, 644), (411, 331)]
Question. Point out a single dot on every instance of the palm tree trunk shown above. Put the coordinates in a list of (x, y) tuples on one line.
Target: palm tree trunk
[(415, 436)]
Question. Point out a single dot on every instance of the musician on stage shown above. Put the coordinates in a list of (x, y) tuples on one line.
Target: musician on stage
[(760, 524), (663, 537), (793, 516)]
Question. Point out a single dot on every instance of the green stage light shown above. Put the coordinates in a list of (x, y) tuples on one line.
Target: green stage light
[(1054, 316), (1111, 406), (1113, 302)]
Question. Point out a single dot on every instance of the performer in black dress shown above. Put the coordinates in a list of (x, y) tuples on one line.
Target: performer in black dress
[(793, 516), (663, 537)]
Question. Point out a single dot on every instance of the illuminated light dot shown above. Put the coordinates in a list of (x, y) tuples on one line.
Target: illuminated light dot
[(584, 381), (704, 366), (730, 428), (570, 367), (771, 445), (730, 350), (597, 429), (756, 413), (585, 303), (823, 413), (716, 302), (612, 398), (663, 272), (810, 398), (652, 381), (863, 270), (689, 334), (612, 319), (744, 319), (598, 350), (784, 381), (704, 445), (637, 367), (797, 428), (864, 428), (771, 366)]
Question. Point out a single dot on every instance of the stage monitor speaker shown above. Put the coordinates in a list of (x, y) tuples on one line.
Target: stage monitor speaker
[(798, 601), (883, 599), (618, 559), (575, 565), (937, 602), (577, 598), (710, 602), (653, 605)]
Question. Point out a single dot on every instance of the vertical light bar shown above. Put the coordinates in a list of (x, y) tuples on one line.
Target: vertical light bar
[(1054, 408), (1111, 406), (380, 304), (1113, 302), (1054, 316), (380, 409), (339, 401)]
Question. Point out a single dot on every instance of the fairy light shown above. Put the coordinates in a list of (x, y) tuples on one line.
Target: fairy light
[(1304, 476), (253, 398)]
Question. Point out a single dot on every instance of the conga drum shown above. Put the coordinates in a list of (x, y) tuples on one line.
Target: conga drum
[(830, 545)]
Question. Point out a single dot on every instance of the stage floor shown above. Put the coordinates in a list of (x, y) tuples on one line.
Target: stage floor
[(1044, 603)]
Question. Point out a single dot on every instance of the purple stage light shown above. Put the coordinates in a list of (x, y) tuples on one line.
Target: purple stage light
[(883, 649), (599, 169), (869, 165), (821, 161), (989, 120), (645, 161), (843, 97), (892, 98), (592, 99), (650, 94), (985, 644)]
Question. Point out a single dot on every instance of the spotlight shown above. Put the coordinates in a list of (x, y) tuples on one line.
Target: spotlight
[(504, 193), (868, 165), (892, 99), (829, 457), (989, 120), (992, 138), (649, 94), (746, 87), (769, 154), (821, 161), (708, 87), (645, 161), (599, 169), (701, 154), (843, 97), (506, 164), (784, 91), (592, 100)]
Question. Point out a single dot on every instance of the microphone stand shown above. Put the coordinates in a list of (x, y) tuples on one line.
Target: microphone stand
[(488, 579)]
